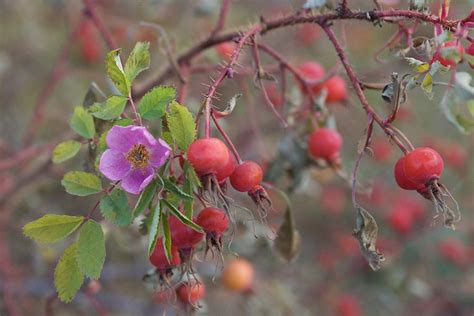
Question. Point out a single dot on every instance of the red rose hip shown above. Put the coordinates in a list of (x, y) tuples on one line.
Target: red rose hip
[(182, 236), (336, 88), (312, 71), (423, 165), (207, 155), (158, 257), (325, 143), (246, 176), (401, 179), (191, 293)]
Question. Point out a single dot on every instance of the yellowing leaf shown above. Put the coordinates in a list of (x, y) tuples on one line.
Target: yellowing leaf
[(65, 150)]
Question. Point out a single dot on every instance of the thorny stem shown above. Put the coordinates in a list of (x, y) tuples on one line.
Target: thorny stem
[(357, 87), (227, 71)]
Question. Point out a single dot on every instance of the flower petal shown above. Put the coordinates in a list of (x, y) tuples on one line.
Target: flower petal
[(122, 138), (159, 153), (114, 165), (137, 180)]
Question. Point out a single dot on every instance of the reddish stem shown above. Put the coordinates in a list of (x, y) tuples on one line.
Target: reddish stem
[(227, 138), (357, 87)]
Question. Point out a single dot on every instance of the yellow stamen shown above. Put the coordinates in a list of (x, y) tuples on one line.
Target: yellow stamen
[(138, 156)]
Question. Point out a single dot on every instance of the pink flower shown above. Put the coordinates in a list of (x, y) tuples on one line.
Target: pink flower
[(133, 157)]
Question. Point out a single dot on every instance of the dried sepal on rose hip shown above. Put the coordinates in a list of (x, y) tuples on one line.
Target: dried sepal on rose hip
[(247, 178), (133, 157), (421, 170)]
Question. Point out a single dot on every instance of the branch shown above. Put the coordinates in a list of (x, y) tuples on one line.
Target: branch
[(357, 87), (369, 16), (106, 35)]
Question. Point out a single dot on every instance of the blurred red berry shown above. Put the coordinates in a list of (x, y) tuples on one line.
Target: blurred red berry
[(336, 89), (453, 250), (312, 71), (348, 305)]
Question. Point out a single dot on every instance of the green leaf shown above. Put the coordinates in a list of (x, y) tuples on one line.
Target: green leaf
[(145, 198), (116, 73), (90, 253), (138, 60), (82, 122), (466, 123), (173, 188), (181, 125), (68, 278), (115, 208), (182, 218), (188, 204), (462, 86), (191, 174), (427, 85), (111, 109), (165, 226), (51, 228), (65, 150), (155, 225), (81, 183), (153, 104)]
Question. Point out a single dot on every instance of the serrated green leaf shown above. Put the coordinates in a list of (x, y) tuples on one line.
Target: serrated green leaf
[(115, 208), (116, 72), (165, 226), (65, 150), (191, 174), (51, 227), (145, 198), (154, 228), (154, 102), (138, 60), (82, 122), (90, 253), (181, 125), (68, 278), (182, 218), (427, 85), (111, 109), (81, 183), (173, 188)]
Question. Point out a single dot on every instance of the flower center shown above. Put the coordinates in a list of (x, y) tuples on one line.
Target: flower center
[(138, 156)]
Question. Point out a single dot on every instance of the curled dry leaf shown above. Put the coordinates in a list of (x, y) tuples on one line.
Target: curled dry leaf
[(229, 107), (366, 233), (288, 241)]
